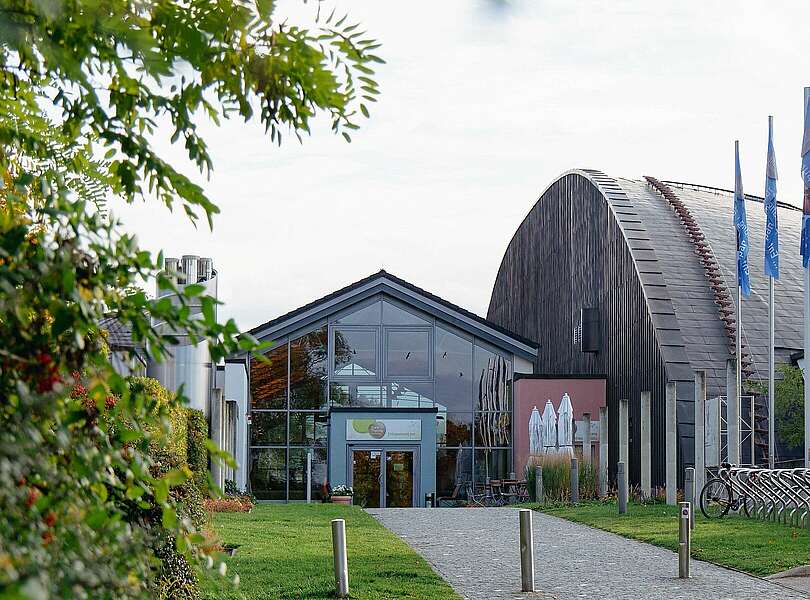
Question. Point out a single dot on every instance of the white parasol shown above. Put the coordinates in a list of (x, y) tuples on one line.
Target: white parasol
[(535, 432), (565, 426), (549, 428)]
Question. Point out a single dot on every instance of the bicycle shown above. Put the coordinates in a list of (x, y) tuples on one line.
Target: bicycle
[(717, 497)]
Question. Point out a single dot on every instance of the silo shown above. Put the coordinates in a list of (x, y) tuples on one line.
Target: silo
[(188, 364)]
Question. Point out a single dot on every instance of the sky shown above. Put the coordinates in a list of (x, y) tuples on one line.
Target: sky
[(483, 104)]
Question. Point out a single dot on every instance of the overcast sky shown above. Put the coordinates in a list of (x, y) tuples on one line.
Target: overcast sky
[(483, 103)]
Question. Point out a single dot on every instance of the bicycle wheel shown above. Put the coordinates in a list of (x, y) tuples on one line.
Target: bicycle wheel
[(715, 499)]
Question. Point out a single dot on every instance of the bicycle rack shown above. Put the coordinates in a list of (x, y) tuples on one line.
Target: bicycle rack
[(780, 495)]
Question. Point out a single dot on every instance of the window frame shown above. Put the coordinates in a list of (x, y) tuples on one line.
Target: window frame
[(430, 350), (333, 375)]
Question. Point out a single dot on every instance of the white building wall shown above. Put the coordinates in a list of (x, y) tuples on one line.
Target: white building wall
[(523, 366), (236, 389)]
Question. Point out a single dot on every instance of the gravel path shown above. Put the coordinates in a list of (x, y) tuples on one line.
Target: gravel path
[(476, 551)]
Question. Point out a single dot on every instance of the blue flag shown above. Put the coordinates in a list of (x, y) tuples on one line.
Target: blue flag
[(771, 218), (805, 244), (741, 225)]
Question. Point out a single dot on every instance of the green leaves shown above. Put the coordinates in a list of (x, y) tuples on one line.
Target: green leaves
[(113, 77)]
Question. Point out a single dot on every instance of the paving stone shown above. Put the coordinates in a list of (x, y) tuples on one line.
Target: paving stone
[(477, 552)]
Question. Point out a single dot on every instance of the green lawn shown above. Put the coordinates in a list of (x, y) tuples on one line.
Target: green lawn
[(287, 553), (749, 545)]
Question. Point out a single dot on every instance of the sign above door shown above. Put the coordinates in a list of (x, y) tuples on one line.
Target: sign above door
[(384, 430)]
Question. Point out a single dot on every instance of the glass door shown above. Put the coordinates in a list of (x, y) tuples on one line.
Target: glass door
[(399, 478), (383, 478), (367, 478)]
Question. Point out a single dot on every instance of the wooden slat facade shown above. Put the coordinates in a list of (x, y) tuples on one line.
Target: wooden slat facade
[(581, 246)]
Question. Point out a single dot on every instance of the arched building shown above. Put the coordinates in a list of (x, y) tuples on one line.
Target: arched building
[(636, 280)]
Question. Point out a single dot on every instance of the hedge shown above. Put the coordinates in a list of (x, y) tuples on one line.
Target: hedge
[(197, 453)]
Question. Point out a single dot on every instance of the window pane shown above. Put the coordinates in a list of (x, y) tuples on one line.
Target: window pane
[(407, 353), (453, 468), (454, 429), (268, 428), (346, 394), (408, 395), (495, 464), (493, 429), (268, 473), (355, 353), (298, 473), (368, 315), (308, 428), (493, 381), (308, 371), (393, 315), (453, 366), (268, 382)]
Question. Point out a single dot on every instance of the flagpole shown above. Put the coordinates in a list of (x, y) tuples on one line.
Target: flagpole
[(771, 342), (771, 394), (733, 416), (806, 315)]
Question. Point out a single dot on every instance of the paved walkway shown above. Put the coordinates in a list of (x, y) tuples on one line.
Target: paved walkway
[(476, 551)]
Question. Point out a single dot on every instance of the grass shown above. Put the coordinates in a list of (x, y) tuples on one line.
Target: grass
[(753, 546), (287, 553)]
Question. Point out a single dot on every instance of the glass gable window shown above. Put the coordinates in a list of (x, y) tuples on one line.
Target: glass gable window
[(394, 315), (367, 315), (308, 358), (268, 380), (407, 353), (454, 378), (355, 394), (380, 353), (408, 395), (355, 352)]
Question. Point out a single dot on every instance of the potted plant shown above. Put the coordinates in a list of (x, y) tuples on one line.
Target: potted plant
[(341, 494)]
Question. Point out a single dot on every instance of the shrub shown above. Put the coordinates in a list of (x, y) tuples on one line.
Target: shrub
[(197, 434), (228, 504), (557, 478)]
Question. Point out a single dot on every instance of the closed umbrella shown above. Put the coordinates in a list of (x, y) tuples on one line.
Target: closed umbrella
[(549, 428), (535, 432), (565, 426)]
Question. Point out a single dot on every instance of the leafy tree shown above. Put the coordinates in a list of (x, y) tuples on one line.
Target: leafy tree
[(85, 87)]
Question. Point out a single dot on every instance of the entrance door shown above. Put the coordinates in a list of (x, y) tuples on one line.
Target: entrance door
[(391, 485), (399, 478)]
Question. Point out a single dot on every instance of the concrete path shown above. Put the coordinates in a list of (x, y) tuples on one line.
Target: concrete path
[(476, 550)]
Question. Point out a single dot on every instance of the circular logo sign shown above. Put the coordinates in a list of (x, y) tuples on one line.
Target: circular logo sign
[(377, 430)]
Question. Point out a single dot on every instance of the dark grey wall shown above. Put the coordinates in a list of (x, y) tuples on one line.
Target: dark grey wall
[(583, 245)]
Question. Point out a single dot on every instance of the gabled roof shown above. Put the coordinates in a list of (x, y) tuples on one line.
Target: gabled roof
[(386, 283)]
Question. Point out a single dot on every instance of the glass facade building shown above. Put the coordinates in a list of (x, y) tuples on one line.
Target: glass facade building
[(379, 353)]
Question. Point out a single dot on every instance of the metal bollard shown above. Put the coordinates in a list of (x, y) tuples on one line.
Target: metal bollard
[(539, 495), (689, 492), (526, 551), (622, 488), (684, 540), (574, 481), (339, 555), (309, 477)]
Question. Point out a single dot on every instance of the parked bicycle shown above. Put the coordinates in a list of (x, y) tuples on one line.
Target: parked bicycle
[(719, 496)]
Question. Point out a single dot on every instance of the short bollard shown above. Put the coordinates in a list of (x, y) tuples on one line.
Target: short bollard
[(689, 492), (539, 495), (574, 481), (526, 551), (622, 488), (684, 540), (339, 555)]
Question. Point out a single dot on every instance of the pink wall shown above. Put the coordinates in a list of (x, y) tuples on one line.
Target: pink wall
[(587, 395)]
